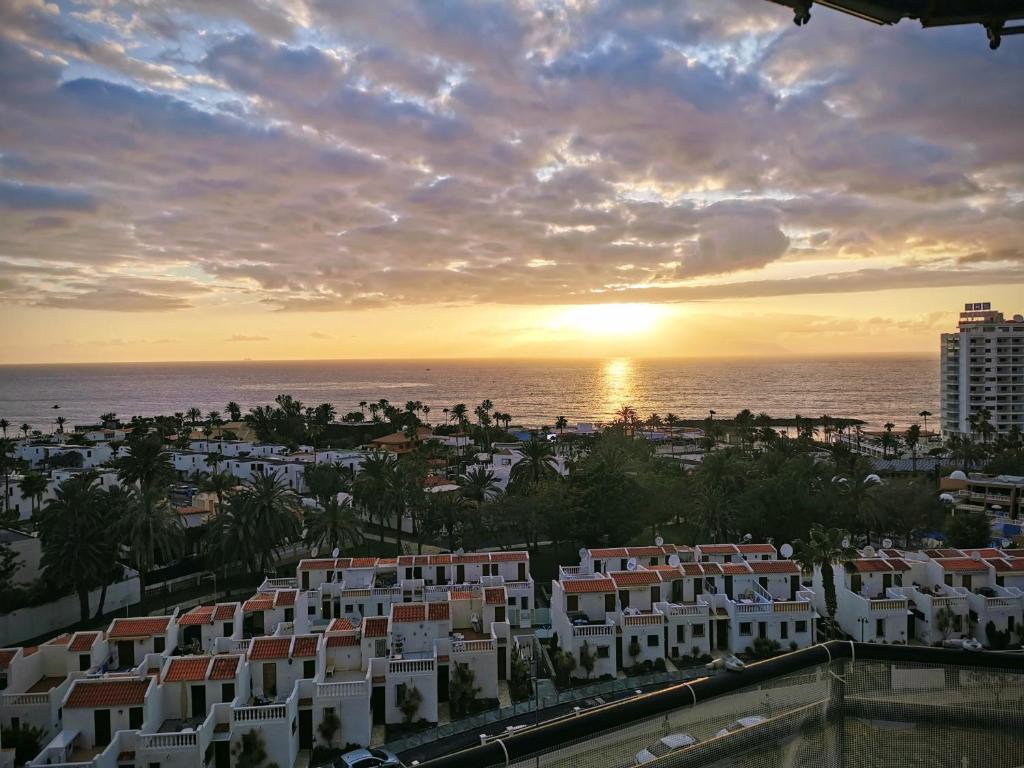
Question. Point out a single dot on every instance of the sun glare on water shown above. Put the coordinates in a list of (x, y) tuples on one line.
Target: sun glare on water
[(609, 319)]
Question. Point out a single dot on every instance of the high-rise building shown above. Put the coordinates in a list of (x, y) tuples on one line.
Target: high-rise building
[(983, 367)]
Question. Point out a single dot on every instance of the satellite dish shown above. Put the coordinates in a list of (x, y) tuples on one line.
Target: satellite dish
[(869, 551), (996, 507), (631, 564), (658, 541), (748, 536), (975, 555), (1005, 543), (946, 498), (786, 550), (887, 543), (873, 479), (673, 560), (335, 552), (583, 553), (314, 551), (460, 551), (846, 543)]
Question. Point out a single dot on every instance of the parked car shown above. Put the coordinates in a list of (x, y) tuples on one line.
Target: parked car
[(368, 758), (739, 725), (734, 664), (663, 746)]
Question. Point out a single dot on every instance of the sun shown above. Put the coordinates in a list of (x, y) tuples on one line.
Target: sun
[(609, 319)]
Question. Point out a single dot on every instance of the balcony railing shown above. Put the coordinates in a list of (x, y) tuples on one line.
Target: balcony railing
[(642, 620), (886, 604), (264, 714), (342, 690), (593, 630), (18, 700), (269, 585), (179, 740), (473, 646), (410, 666)]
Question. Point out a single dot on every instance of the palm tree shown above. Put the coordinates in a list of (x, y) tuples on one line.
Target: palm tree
[(626, 415), (265, 512), (426, 414), (537, 463), (374, 486), (7, 462), (193, 415), (234, 410), (459, 413), (25, 429), (889, 440), (362, 407), (911, 440), (560, 424), (61, 421), (32, 486), (149, 528), (147, 464), (478, 485), (75, 537), (670, 421), (214, 459), (924, 415), (823, 549), (262, 419), (332, 524), (4, 424), (219, 483)]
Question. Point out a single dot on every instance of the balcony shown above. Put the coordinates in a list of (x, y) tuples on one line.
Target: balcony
[(411, 666), (342, 690)]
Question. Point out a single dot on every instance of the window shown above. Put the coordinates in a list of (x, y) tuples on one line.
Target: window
[(801, 627), (745, 629), (572, 603), (309, 668), (652, 641), (880, 627), (602, 652), (84, 662), (229, 628), (681, 633), (499, 613), (855, 582), (624, 598), (965, 580), (159, 643), (227, 692), (784, 630), (609, 603), (698, 630), (399, 694), (135, 718), (597, 566), (289, 614), (949, 579)]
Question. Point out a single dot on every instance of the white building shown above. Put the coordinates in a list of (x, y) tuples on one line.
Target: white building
[(982, 366)]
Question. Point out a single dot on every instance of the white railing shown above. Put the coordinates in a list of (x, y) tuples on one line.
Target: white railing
[(259, 714), (26, 699), (593, 630), (342, 690), (678, 609), (519, 587), (386, 592), (178, 740), (410, 666), (746, 608), (239, 646), (642, 620), (569, 571), (791, 606), (473, 646), (881, 605)]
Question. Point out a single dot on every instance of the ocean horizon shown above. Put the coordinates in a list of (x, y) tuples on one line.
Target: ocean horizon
[(535, 392)]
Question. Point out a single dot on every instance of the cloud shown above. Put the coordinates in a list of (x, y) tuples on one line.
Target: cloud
[(243, 337), (320, 335), (29, 197)]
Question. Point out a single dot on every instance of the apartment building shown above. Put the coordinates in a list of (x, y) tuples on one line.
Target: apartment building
[(982, 366)]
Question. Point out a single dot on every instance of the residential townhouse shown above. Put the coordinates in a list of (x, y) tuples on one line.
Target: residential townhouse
[(870, 604), (39, 455)]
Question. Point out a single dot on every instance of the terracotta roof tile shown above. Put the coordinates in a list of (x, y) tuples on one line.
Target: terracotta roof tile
[(284, 598), (702, 569), (363, 562), (224, 667), (635, 578), (187, 669), (322, 564), (375, 626), (305, 646), (774, 566), (736, 569), (83, 641), (986, 553), (1008, 564), (403, 612), (258, 603), (580, 586), (6, 656), (30, 650), (141, 627), (201, 614), (756, 549), (438, 611), (335, 641), (341, 625), (382, 561), (666, 571), (124, 692), (225, 611), (460, 594), (440, 559), (510, 557), (494, 595), (609, 552), (269, 648), (651, 551), (718, 549), (962, 564), (876, 565), (471, 558), (61, 639)]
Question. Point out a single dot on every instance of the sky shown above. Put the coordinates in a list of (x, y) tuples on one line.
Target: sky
[(246, 179)]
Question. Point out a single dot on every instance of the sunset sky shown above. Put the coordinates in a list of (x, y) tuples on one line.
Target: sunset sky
[(226, 179)]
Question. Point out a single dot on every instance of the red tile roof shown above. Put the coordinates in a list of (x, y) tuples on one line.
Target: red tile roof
[(120, 692), (877, 565), (285, 598), (305, 646), (363, 562), (651, 551), (460, 594), (382, 561), (667, 571), (986, 553), (934, 553), (736, 569), (62, 639), (440, 559), (510, 557), (83, 641), (774, 566), (579, 586), (756, 549), (404, 612), (962, 564), (187, 669), (224, 667), (1008, 565), (269, 648), (609, 552), (6, 656), (340, 625), (141, 627), (470, 558), (334, 641), (718, 549), (225, 611), (702, 569), (635, 578), (201, 614), (494, 595), (438, 612), (375, 626), (258, 603)]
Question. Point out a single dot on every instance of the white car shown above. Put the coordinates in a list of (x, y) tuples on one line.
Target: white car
[(739, 725), (663, 746), (734, 664)]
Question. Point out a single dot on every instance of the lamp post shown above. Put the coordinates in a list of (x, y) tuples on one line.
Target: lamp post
[(863, 621)]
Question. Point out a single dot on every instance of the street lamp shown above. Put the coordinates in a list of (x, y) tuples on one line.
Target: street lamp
[(863, 621)]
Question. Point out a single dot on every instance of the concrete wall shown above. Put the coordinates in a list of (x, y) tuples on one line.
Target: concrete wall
[(24, 624)]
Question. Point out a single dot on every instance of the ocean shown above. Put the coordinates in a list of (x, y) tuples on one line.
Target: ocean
[(533, 392)]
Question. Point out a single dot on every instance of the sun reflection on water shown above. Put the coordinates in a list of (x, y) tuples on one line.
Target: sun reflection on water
[(618, 385)]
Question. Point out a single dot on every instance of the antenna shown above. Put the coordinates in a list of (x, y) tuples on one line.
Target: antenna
[(887, 543), (631, 564), (786, 550), (673, 560), (335, 552), (658, 541)]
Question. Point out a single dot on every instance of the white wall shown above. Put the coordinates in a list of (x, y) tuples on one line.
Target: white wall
[(24, 624)]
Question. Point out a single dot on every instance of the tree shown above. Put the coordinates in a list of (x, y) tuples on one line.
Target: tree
[(537, 463), (375, 485), (25, 429), (147, 526), (7, 462), (944, 621), (75, 537), (4, 424), (234, 410), (219, 483), (332, 524), (9, 565), (445, 515), (25, 739), (462, 690), (968, 529), (478, 485), (251, 752), (634, 649), (147, 464), (588, 659), (889, 440), (912, 439), (410, 704), (329, 726), (823, 549), (560, 424), (924, 415), (60, 421)]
